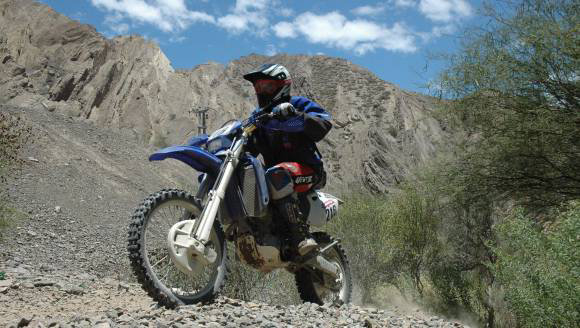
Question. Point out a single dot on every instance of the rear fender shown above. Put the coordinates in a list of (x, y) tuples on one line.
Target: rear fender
[(199, 159)]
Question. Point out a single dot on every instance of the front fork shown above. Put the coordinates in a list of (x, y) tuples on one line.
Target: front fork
[(187, 242)]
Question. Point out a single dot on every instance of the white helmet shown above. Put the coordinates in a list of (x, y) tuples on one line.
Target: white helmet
[(272, 83)]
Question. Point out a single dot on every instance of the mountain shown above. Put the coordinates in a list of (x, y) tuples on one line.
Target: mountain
[(380, 131)]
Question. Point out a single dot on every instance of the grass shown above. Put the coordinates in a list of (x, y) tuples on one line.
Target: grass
[(8, 216)]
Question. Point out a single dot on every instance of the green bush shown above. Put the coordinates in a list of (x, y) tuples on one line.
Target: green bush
[(248, 284), (389, 239), (13, 135), (539, 271)]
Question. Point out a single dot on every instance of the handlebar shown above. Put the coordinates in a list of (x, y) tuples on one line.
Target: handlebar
[(258, 118)]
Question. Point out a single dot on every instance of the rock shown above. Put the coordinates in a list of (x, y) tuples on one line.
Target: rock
[(123, 286), (43, 283), (25, 320), (28, 285), (74, 290), (124, 318), (57, 209), (102, 324)]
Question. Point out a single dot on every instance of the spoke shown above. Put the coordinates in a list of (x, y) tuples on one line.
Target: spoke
[(166, 272), (172, 213), (163, 259), (155, 245)]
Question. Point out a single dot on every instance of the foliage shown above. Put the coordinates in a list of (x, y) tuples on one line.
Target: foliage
[(13, 135), (247, 284), (388, 238), (517, 93), (540, 271), (359, 226), (512, 99)]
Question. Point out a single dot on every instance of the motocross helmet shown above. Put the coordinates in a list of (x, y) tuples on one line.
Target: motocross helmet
[(272, 84)]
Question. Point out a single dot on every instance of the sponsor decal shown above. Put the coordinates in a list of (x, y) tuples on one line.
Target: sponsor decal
[(303, 179)]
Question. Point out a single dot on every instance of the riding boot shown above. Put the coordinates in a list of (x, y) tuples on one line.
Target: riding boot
[(300, 237)]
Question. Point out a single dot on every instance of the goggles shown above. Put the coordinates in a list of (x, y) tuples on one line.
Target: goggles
[(269, 87)]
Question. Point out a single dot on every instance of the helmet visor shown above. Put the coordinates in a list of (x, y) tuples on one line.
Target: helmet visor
[(269, 87)]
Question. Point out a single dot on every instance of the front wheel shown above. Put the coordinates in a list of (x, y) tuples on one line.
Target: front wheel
[(150, 259), (315, 286)]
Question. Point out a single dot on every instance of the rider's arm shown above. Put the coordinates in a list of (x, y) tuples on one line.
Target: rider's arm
[(311, 119), (316, 119)]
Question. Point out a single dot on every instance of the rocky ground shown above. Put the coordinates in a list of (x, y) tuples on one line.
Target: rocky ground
[(52, 299)]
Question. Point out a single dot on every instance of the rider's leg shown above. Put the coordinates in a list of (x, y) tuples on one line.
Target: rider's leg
[(286, 201)]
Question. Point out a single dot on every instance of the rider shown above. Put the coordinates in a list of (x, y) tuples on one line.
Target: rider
[(287, 144)]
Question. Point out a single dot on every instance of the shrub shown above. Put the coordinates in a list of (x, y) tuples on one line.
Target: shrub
[(248, 284), (388, 238), (13, 135), (539, 271)]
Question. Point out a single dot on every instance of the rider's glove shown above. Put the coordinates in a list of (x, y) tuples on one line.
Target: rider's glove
[(284, 111)]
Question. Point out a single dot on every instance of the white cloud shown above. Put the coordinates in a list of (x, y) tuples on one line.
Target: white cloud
[(247, 15), (116, 25), (369, 10), (437, 31), (120, 28), (444, 10), (286, 12), (177, 39), (334, 30), (167, 15), (285, 30), (405, 3)]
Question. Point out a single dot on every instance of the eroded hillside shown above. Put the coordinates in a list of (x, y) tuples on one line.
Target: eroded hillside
[(380, 131)]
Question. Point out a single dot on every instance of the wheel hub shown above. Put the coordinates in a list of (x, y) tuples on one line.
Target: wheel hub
[(188, 254)]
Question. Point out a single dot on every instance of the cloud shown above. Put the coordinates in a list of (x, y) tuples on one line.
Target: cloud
[(334, 30), (285, 30), (369, 10), (167, 15), (247, 15), (405, 3), (445, 10), (115, 24), (286, 12), (437, 31), (177, 39)]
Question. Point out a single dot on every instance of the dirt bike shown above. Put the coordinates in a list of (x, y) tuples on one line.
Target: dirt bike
[(177, 241)]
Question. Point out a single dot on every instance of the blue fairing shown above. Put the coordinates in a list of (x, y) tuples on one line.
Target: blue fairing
[(195, 157), (197, 140)]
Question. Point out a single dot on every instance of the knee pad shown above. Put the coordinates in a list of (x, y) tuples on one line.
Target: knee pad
[(280, 183)]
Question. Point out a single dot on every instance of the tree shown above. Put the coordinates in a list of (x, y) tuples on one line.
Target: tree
[(517, 91)]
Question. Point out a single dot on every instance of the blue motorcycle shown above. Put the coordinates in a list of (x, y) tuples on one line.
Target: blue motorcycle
[(177, 240)]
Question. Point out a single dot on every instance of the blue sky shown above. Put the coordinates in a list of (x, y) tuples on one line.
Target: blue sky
[(390, 38)]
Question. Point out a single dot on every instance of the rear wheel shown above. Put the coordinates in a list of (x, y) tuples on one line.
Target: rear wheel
[(317, 287), (150, 259)]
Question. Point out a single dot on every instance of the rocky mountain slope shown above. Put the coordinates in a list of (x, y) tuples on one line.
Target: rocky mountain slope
[(380, 131)]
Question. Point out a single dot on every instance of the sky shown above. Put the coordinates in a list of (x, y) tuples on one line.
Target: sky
[(390, 38)]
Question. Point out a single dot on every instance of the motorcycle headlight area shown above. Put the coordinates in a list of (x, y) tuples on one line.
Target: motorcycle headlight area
[(219, 143)]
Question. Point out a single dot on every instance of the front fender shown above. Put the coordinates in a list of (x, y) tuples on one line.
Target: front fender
[(199, 159)]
